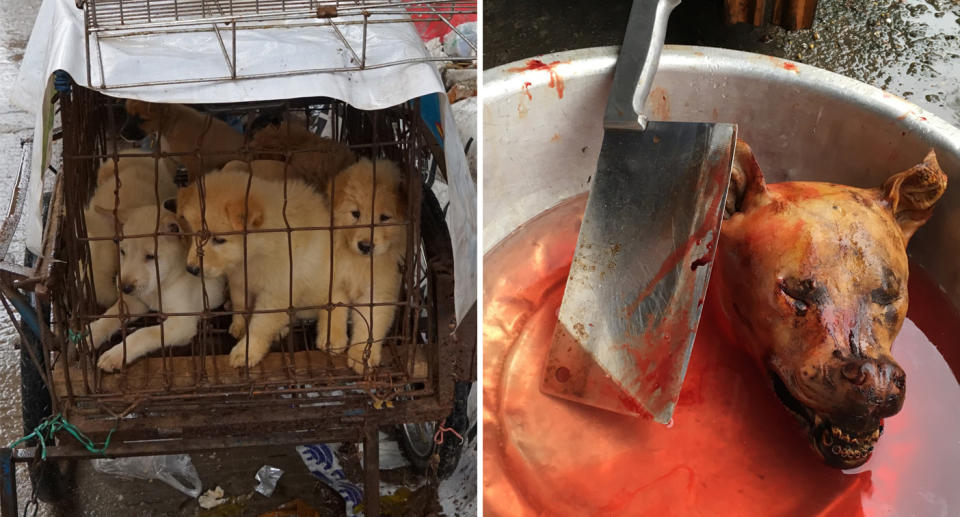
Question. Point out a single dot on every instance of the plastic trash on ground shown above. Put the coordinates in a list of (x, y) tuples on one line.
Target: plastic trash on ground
[(176, 470), (212, 498), (322, 462), (455, 46), (267, 478)]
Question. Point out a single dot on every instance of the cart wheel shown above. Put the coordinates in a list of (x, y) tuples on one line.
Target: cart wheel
[(417, 439)]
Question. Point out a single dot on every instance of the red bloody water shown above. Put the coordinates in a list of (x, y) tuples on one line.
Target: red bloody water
[(732, 448)]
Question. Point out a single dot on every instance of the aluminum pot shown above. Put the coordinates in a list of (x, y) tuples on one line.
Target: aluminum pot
[(542, 134), (543, 129)]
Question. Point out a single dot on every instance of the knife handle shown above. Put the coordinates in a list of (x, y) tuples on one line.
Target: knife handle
[(637, 63)]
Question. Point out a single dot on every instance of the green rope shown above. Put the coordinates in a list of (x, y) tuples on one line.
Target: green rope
[(51, 426), (74, 336)]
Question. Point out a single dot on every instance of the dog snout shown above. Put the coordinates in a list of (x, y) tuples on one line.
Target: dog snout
[(880, 382), (131, 130), (364, 247), (193, 270), (126, 287)]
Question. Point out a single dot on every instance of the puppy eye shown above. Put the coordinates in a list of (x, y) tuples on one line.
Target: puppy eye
[(219, 240), (355, 214), (384, 218), (123, 253), (150, 256)]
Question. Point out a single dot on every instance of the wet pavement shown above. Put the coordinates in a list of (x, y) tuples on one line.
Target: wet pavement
[(16, 22), (910, 48)]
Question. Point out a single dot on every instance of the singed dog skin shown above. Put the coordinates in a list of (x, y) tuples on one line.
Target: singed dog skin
[(353, 195), (813, 278), (142, 182), (209, 141), (148, 271), (267, 280)]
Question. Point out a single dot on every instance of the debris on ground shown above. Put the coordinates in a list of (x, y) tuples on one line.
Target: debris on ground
[(295, 508), (212, 498), (267, 478), (176, 470)]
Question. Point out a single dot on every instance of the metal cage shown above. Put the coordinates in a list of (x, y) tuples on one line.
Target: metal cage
[(188, 397), (227, 21)]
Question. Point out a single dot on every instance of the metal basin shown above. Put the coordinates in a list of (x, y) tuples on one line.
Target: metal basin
[(542, 132), (733, 448)]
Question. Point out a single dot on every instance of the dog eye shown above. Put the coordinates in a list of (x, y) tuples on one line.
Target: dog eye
[(884, 296), (384, 218), (123, 253), (355, 214), (802, 294), (219, 240), (150, 256)]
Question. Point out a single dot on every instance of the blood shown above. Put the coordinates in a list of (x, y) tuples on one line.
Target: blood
[(706, 258), (526, 89), (790, 66), (719, 176), (535, 64), (733, 448)]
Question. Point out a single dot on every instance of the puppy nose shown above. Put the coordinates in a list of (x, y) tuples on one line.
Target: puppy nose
[(364, 247), (193, 270), (126, 288)]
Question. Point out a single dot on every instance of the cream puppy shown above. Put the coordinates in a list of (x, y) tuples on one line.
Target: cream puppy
[(151, 272), (142, 182), (266, 283), (357, 202)]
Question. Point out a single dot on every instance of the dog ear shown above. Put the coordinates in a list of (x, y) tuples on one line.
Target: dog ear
[(121, 214), (245, 213), (746, 180), (911, 194)]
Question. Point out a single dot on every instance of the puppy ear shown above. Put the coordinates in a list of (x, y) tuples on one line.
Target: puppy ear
[(746, 180), (108, 212), (245, 213), (912, 193)]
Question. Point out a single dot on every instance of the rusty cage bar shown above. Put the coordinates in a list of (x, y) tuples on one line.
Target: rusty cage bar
[(188, 398)]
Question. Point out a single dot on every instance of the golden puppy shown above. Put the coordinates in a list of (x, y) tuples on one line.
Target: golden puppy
[(314, 159), (142, 182), (184, 130), (151, 269), (356, 202), (266, 284)]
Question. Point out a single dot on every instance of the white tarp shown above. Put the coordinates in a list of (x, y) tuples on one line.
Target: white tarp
[(57, 42)]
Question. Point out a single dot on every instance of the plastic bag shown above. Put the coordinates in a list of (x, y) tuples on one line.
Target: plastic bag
[(176, 470), (267, 478)]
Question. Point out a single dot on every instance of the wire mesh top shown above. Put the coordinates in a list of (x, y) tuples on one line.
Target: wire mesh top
[(245, 39), (109, 15)]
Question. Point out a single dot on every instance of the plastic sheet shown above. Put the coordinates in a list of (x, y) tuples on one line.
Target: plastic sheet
[(176, 470), (57, 43)]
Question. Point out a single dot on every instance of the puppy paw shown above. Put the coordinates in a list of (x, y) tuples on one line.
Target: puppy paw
[(111, 360), (338, 342), (355, 357), (238, 327), (238, 356)]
